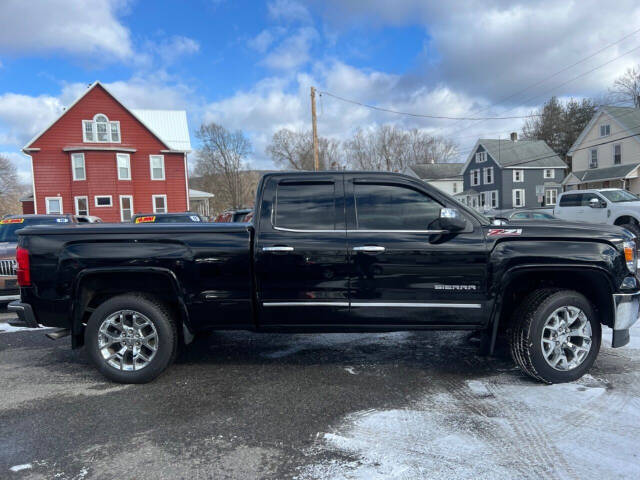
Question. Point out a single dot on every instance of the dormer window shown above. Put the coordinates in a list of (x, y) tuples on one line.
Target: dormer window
[(100, 130), (605, 130)]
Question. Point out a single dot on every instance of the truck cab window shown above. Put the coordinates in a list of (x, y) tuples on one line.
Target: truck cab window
[(393, 207), (306, 206)]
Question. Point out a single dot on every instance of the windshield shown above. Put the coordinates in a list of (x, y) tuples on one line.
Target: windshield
[(619, 196), (9, 226)]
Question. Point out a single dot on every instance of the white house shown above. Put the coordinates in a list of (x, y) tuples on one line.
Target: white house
[(444, 176), (607, 152)]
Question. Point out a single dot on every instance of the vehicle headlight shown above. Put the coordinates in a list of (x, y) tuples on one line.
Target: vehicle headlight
[(630, 256)]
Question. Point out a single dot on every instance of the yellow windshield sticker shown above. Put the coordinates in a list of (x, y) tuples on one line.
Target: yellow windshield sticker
[(11, 220), (147, 219)]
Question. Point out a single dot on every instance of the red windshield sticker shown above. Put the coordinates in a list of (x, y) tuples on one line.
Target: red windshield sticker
[(7, 221), (504, 232), (147, 219)]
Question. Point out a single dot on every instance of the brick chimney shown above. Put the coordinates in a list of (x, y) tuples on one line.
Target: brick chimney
[(514, 136)]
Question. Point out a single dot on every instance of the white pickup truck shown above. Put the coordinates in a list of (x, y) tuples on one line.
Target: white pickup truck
[(607, 205)]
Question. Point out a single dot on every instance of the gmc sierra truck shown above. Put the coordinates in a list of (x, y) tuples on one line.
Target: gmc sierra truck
[(332, 252)]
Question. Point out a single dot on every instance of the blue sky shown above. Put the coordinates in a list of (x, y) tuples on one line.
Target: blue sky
[(249, 65)]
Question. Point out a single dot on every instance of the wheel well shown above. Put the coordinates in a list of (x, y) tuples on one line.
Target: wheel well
[(95, 288), (625, 219), (594, 285)]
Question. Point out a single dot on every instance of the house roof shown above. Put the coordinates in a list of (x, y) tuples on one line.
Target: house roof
[(170, 125), (159, 122), (523, 153), (609, 173), (437, 171), (628, 118), (197, 194)]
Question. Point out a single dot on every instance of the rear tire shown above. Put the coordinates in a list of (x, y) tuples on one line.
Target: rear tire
[(131, 338), (555, 336)]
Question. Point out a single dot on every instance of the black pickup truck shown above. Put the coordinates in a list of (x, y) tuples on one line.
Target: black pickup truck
[(333, 252)]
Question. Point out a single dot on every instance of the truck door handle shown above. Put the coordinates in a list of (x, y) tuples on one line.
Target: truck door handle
[(369, 249), (278, 248)]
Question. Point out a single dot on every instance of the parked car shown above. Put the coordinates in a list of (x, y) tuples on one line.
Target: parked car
[(88, 219), (522, 214), (9, 225), (333, 252), (612, 206), (184, 217), (233, 216)]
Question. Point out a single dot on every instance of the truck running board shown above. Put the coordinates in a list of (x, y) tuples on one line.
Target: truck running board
[(58, 334)]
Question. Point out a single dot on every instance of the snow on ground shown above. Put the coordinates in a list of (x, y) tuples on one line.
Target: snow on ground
[(6, 328), (502, 426)]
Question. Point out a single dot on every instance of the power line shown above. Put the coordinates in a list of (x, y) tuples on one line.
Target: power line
[(535, 84), (435, 117)]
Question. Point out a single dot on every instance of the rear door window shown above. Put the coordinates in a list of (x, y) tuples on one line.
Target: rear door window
[(393, 207), (306, 206), (571, 200)]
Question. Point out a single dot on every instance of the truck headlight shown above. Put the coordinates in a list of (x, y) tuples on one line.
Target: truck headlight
[(630, 256)]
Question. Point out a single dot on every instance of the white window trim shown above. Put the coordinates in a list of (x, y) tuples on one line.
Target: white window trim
[(547, 192), (553, 173), (613, 153), (473, 182), (606, 134), (481, 157), (95, 201), (491, 198), (94, 130), (130, 197), (128, 157), (484, 175), (73, 167), (515, 180), (75, 203), (590, 153), (521, 190), (153, 202), (151, 167), (46, 204)]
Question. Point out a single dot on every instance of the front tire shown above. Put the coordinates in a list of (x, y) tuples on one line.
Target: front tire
[(556, 335), (131, 338)]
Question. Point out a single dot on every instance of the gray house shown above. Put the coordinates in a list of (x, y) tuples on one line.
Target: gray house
[(504, 174)]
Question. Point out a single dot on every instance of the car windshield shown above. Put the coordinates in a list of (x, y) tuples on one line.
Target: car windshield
[(9, 226), (619, 196)]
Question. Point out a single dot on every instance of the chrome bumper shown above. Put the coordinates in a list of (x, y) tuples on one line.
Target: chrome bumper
[(626, 313)]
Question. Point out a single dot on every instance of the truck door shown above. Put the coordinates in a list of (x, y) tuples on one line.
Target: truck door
[(593, 215), (300, 251), (403, 271)]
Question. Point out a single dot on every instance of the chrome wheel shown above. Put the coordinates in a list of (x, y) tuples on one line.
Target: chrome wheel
[(127, 340), (566, 338)]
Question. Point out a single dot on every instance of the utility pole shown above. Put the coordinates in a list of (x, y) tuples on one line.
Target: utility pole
[(314, 128)]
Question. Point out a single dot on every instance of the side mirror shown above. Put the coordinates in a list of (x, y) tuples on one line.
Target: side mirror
[(451, 220), (499, 221), (597, 203)]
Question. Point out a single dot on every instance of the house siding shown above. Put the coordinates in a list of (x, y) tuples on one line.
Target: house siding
[(52, 166), (503, 181), (482, 187), (630, 146)]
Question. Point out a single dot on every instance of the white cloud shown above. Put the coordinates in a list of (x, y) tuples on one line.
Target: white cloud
[(288, 11), (293, 51), (70, 26), (22, 116), (176, 47), (262, 41), (497, 47)]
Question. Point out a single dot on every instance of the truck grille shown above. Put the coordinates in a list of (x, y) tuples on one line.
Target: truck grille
[(8, 268)]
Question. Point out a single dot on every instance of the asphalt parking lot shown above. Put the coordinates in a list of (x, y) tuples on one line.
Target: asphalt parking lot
[(243, 405)]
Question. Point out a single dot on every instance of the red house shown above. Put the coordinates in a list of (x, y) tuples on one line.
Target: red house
[(101, 158)]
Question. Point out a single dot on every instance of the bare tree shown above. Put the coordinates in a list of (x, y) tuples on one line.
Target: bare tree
[(222, 160), (10, 188), (392, 149), (626, 88), (293, 150)]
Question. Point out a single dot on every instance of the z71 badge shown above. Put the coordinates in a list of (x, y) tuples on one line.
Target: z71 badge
[(504, 232)]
